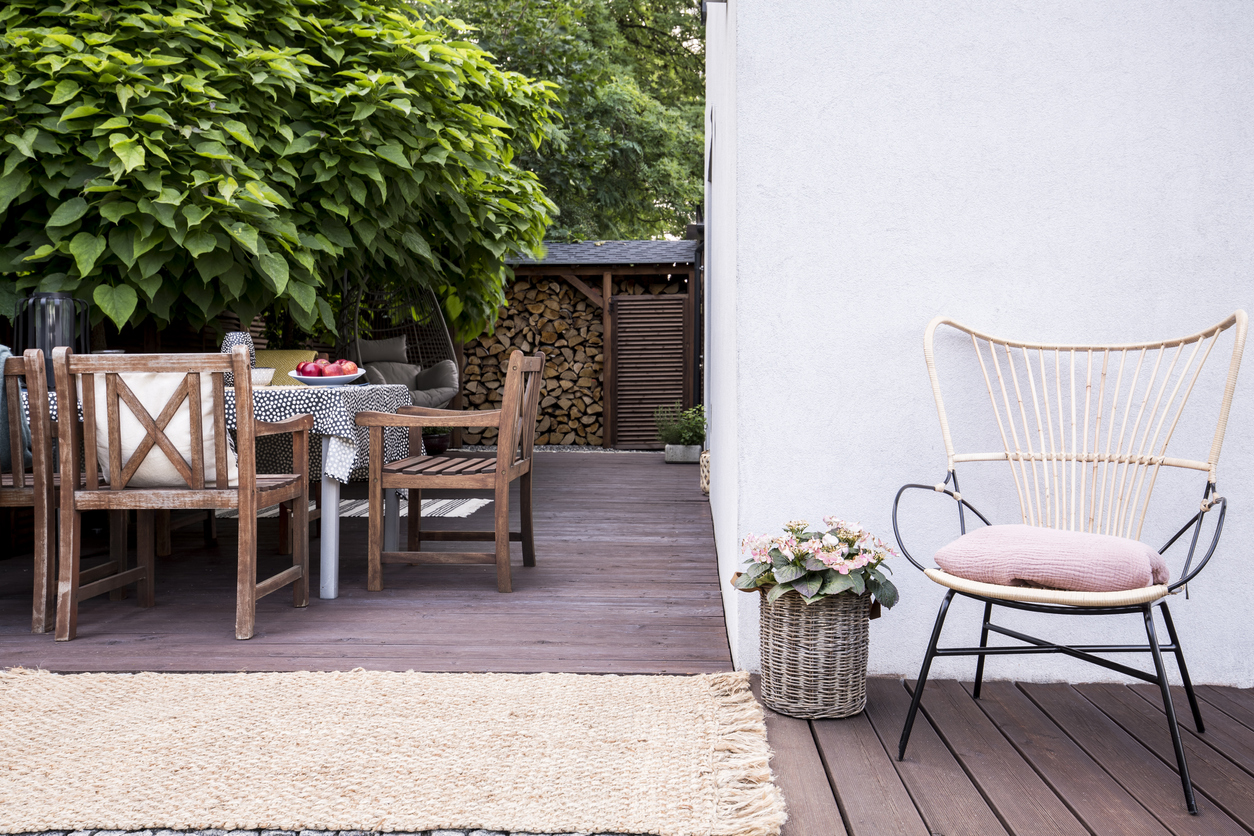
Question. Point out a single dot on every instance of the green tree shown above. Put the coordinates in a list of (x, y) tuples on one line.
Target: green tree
[(626, 160), (175, 159)]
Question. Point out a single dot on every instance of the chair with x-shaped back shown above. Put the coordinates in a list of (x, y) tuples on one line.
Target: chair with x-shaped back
[(154, 433)]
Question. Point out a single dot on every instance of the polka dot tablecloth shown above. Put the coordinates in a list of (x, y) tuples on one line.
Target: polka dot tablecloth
[(334, 409)]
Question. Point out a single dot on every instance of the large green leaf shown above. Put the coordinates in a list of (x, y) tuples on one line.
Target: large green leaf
[(275, 269), (86, 248), (244, 234), (68, 212), (117, 303)]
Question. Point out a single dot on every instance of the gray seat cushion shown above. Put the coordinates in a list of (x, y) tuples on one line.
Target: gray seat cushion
[(381, 351), (432, 387), (435, 386), (390, 372)]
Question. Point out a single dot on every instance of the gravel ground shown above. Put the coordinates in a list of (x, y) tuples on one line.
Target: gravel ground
[(297, 833)]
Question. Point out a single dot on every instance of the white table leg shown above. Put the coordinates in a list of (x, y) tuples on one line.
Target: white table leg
[(330, 579), (391, 521)]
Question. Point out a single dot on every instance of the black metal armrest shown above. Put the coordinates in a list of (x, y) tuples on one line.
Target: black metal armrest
[(1195, 522), (941, 488)]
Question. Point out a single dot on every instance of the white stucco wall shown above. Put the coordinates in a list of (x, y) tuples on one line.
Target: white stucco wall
[(1068, 171)]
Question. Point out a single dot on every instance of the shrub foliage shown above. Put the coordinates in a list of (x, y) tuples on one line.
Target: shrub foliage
[(176, 159)]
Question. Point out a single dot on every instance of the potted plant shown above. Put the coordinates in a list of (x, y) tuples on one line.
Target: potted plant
[(681, 430), (435, 440), (818, 591)]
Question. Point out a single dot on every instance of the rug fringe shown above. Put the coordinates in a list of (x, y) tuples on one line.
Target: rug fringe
[(748, 803)]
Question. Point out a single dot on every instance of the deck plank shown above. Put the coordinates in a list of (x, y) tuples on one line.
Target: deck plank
[(871, 795), (1139, 771), (798, 768), (626, 582), (1213, 775), (1093, 795), (1223, 733), (1237, 703), (945, 797), (1022, 801)]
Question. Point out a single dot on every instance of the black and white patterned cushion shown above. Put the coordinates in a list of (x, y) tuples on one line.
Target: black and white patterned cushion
[(233, 339)]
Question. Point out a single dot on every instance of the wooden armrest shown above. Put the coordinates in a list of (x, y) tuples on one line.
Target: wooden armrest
[(409, 416), (291, 425)]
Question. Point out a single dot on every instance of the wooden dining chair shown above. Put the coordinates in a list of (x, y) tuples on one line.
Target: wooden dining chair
[(179, 459), (34, 487), (515, 423), (1086, 433)]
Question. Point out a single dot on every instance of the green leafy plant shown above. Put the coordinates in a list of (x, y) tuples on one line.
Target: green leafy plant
[(176, 159), (676, 425), (436, 430), (626, 159), (815, 564)]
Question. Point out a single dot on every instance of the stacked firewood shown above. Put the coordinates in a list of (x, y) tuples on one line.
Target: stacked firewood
[(551, 316)]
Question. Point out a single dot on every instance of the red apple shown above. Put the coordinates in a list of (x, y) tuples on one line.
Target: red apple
[(332, 370), (310, 370), (348, 366), (322, 361)]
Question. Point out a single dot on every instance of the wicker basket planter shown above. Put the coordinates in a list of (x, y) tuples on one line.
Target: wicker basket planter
[(814, 657), (705, 471)]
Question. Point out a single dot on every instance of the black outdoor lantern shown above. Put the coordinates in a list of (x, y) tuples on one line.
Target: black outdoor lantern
[(48, 320)]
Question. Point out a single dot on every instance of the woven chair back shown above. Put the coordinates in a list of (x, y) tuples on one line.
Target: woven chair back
[(155, 417), (1088, 428), (417, 316)]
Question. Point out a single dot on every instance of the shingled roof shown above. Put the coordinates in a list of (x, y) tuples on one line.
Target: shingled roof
[(617, 252)]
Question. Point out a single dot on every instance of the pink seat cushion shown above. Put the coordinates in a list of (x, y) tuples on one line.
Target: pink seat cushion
[(1027, 555)]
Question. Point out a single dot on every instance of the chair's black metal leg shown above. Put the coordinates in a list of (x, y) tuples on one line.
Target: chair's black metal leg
[(979, 665), (1169, 709), (922, 681), (1184, 671)]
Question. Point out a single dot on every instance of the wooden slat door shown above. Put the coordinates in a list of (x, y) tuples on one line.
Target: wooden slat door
[(651, 338)]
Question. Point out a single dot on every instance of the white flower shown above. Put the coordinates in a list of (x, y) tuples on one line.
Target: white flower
[(829, 540)]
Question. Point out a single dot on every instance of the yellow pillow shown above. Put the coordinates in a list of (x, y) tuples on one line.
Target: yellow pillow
[(284, 361)]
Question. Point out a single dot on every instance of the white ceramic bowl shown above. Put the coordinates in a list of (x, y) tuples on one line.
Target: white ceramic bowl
[(262, 376), (334, 380)]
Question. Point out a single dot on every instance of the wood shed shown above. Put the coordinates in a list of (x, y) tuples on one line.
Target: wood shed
[(620, 322)]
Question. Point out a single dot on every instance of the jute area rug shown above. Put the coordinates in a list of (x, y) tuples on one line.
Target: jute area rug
[(383, 751)]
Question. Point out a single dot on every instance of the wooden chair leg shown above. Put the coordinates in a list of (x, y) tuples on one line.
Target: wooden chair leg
[(163, 533), (415, 520), (67, 579), (503, 583), (524, 513), (43, 614), (285, 528), (374, 545), (211, 527), (119, 549), (246, 577), (146, 549), (300, 548)]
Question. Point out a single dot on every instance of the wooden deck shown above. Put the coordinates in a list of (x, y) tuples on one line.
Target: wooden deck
[(1024, 759), (625, 582)]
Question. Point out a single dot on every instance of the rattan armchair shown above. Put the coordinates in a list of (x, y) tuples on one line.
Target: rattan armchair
[(1087, 432)]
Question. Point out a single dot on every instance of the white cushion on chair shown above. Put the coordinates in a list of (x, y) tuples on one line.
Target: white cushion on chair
[(153, 391), (1027, 555)]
